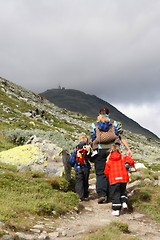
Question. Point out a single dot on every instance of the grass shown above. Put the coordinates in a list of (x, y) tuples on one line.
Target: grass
[(115, 230), (5, 144), (23, 195), (146, 199), (146, 195), (28, 197)]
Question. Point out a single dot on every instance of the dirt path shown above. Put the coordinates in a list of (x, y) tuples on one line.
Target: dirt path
[(92, 215)]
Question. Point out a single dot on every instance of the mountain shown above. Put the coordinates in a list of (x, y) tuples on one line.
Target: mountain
[(21, 119), (89, 105)]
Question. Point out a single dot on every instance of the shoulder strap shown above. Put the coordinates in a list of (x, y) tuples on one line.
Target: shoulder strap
[(93, 126), (115, 123)]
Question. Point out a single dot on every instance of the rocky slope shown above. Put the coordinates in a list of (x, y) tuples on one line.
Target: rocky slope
[(18, 110)]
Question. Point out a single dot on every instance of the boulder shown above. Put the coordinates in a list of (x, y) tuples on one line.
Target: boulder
[(39, 155)]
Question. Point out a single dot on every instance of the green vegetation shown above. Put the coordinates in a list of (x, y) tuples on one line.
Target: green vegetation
[(28, 197), (110, 232), (146, 173), (5, 143), (19, 137), (23, 195), (145, 200), (146, 195)]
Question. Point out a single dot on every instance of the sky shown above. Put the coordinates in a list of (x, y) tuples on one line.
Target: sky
[(108, 48)]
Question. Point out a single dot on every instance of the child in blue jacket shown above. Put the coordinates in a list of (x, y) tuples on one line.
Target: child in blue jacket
[(80, 161)]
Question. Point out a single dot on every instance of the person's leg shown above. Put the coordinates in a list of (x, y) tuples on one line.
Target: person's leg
[(102, 186), (79, 184), (102, 183), (124, 198), (116, 194), (86, 182)]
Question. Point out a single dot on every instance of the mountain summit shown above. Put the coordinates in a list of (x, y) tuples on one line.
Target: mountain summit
[(89, 105)]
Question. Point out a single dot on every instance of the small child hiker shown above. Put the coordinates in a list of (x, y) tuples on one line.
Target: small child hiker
[(104, 131), (79, 159), (118, 176)]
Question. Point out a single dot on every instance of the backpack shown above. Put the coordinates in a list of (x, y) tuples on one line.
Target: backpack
[(81, 154), (107, 136), (72, 158)]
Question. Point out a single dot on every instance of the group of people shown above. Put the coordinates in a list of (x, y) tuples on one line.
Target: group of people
[(111, 167)]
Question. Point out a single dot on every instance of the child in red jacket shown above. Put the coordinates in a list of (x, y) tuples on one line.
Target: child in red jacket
[(118, 177)]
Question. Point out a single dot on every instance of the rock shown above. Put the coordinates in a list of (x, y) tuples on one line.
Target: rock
[(158, 180), (139, 165), (43, 236), (131, 186), (53, 235), (41, 156), (24, 236), (7, 237), (148, 181)]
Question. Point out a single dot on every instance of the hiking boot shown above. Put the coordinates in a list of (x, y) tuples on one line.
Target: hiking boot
[(115, 213), (124, 206), (101, 200)]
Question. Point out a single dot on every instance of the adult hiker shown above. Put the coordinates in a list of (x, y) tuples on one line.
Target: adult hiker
[(106, 132)]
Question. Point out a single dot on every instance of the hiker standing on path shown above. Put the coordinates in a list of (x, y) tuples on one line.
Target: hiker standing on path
[(117, 174), (105, 133), (79, 159)]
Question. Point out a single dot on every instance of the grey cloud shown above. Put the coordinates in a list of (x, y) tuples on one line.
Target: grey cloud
[(106, 48)]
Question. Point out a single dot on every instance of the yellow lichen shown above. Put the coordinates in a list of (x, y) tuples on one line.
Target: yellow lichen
[(22, 155)]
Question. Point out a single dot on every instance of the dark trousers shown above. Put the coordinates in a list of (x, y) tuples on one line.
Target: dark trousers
[(82, 183), (118, 195), (102, 183)]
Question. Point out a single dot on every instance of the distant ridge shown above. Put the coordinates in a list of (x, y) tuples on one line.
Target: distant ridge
[(89, 105)]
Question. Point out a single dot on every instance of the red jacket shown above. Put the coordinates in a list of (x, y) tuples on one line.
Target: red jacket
[(115, 169)]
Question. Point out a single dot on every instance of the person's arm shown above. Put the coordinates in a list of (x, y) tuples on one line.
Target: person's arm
[(106, 170), (124, 141)]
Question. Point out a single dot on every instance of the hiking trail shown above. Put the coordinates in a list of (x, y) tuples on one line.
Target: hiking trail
[(90, 216)]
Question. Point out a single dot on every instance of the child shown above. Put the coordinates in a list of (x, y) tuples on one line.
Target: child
[(129, 164), (80, 161), (105, 131), (118, 177)]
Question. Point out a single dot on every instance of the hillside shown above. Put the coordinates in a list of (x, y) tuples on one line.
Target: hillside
[(21, 117), (30, 201), (22, 109), (89, 105)]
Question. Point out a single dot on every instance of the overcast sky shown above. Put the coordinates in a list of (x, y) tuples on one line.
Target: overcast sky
[(109, 48)]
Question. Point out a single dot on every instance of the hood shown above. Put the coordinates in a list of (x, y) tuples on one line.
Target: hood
[(81, 144), (115, 156)]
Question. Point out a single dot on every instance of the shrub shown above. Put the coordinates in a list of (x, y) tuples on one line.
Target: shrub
[(19, 137), (59, 183), (123, 227)]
